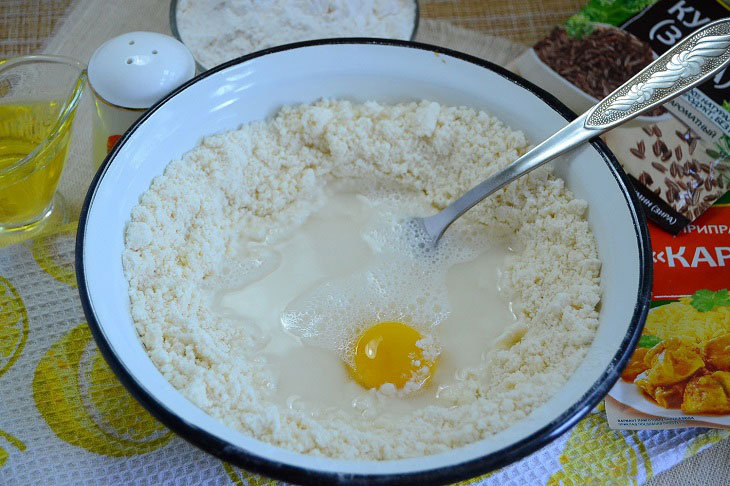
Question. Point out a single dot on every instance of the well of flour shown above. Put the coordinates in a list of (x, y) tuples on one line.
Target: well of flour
[(257, 261), (348, 267), (219, 30)]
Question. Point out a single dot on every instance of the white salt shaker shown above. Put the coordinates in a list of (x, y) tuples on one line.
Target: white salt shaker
[(128, 74)]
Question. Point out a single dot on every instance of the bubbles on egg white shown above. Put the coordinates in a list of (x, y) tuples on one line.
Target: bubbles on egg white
[(251, 336), (253, 263), (404, 283)]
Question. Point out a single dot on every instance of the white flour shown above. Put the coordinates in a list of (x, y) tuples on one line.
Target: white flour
[(185, 234), (219, 30)]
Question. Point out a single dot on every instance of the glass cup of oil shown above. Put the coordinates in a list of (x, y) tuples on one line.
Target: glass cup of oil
[(38, 100)]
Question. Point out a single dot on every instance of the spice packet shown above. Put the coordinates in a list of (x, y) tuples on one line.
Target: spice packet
[(678, 155), (679, 374)]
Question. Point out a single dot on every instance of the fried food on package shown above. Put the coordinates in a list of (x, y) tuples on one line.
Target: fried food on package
[(723, 377), (708, 394), (669, 396), (666, 396), (717, 352), (636, 365), (668, 365), (670, 362)]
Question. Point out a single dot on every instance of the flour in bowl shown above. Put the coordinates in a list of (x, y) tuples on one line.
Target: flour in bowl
[(219, 30), (259, 261)]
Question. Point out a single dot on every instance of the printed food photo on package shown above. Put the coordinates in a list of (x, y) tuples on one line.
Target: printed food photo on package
[(678, 159), (679, 374)]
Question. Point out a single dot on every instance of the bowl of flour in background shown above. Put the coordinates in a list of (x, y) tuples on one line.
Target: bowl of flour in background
[(217, 31), (324, 75)]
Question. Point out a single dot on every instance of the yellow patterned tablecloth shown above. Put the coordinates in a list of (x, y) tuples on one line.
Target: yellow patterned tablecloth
[(65, 419)]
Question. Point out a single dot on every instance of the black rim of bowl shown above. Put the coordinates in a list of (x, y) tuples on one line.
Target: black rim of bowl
[(201, 69), (253, 462)]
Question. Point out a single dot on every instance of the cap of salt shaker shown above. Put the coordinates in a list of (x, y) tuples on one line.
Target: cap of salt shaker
[(130, 73), (136, 69)]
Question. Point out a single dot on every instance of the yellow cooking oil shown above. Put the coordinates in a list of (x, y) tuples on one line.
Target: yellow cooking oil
[(34, 140)]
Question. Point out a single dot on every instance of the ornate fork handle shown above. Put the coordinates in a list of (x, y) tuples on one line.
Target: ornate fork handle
[(693, 60)]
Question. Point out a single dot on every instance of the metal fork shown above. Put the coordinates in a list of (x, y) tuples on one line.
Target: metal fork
[(691, 62)]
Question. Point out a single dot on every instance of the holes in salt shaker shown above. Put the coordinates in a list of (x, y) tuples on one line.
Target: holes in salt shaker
[(131, 43), (154, 51), (129, 60)]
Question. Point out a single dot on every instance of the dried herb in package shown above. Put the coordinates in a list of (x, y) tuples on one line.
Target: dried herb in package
[(677, 156)]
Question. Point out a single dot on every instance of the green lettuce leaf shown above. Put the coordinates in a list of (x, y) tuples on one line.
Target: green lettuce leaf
[(705, 300), (614, 12), (648, 341)]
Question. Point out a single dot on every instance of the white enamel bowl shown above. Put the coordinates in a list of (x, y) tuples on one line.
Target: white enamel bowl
[(177, 34), (255, 87)]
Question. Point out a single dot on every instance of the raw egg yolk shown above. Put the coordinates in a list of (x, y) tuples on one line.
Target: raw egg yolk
[(387, 353)]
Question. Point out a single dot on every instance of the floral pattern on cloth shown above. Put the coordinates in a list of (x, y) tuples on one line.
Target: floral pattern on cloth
[(67, 420)]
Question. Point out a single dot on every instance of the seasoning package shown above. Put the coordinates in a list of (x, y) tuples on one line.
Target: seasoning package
[(678, 158), (678, 155), (679, 374)]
